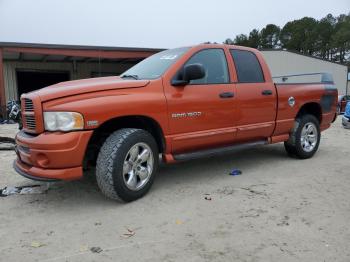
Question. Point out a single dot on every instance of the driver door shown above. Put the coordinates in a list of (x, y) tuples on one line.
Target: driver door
[(201, 114)]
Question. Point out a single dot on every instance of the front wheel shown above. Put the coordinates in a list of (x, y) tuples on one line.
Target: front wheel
[(127, 164), (305, 137)]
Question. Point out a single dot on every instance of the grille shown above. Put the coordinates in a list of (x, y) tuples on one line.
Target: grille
[(30, 122), (29, 119), (28, 105)]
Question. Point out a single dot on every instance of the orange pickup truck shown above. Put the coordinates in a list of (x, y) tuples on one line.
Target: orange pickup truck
[(182, 103)]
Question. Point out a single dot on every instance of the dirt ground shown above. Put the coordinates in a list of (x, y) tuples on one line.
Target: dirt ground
[(279, 209)]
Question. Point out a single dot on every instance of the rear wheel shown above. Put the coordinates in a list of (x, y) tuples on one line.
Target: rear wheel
[(305, 137), (127, 164)]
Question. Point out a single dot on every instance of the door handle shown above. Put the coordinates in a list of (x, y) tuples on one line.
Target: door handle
[(226, 95), (266, 92)]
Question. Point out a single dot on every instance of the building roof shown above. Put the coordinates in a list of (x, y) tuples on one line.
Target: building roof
[(78, 47), (13, 51), (298, 53)]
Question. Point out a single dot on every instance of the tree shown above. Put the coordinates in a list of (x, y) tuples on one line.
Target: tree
[(300, 35), (325, 30), (328, 38), (307, 26), (270, 36), (289, 38), (241, 39), (341, 38), (228, 41), (254, 39)]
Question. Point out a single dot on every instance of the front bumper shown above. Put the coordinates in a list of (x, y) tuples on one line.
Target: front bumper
[(346, 122), (51, 156)]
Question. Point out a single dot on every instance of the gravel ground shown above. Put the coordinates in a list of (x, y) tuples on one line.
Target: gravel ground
[(279, 209)]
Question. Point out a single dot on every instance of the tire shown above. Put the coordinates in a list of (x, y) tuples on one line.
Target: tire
[(290, 149), (338, 110), (305, 137), (124, 150)]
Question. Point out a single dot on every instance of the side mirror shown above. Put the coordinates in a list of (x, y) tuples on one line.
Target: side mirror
[(189, 72)]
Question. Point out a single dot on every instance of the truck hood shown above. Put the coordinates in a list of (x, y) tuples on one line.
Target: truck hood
[(76, 87)]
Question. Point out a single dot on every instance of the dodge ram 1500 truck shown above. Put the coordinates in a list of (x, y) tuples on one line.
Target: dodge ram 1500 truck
[(182, 103)]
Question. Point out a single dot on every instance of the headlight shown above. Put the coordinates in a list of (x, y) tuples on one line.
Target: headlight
[(63, 121)]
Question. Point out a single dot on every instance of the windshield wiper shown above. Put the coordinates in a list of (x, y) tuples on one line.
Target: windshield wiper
[(136, 77)]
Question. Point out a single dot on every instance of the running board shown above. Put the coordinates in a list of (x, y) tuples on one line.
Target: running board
[(217, 151)]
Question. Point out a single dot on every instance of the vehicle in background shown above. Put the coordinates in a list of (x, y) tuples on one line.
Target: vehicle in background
[(14, 112), (342, 101), (346, 116), (182, 103)]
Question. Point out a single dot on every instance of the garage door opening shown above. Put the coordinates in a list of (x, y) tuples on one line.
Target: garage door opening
[(28, 81)]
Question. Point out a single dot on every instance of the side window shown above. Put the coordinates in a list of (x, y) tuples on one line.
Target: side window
[(247, 66), (215, 66)]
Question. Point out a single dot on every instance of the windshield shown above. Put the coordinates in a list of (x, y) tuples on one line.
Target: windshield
[(155, 66)]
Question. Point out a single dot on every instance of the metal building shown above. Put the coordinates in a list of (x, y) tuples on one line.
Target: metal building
[(282, 62), (26, 67)]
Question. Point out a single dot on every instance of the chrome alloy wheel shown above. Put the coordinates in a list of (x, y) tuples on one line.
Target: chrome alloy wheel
[(309, 136), (138, 166)]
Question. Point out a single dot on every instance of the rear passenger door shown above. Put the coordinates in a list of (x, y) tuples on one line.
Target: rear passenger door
[(256, 99)]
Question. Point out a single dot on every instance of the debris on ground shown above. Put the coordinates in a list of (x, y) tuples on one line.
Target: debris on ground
[(130, 233), (178, 222), (254, 191), (9, 122), (207, 197), (37, 244), (24, 190), (7, 191), (284, 221), (96, 250), (235, 172), (83, 248), (7, 143)]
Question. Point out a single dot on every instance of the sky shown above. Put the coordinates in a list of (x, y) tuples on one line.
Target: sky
[(150, 23)]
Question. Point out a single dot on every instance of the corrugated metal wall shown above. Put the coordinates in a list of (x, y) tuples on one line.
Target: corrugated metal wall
[(83, 70), (287, 63)]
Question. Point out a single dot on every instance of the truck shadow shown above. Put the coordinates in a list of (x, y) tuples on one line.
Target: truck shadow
[(85, 193), (245, 160)]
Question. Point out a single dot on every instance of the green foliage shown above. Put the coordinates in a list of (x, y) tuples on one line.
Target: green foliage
[(340, 41), (328, 38), (241, 39), (254, 38), (300, 35), (269, 37), (324, 30)]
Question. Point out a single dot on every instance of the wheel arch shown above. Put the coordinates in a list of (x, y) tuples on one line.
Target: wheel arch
[(312, 108), (101, 133)]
